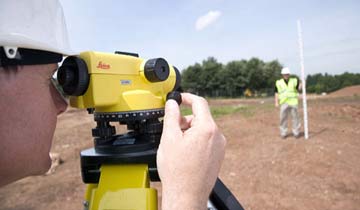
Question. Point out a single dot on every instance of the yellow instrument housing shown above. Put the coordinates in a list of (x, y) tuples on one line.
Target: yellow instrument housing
[(118, 84)]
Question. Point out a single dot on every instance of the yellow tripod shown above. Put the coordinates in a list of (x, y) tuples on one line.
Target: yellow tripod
[(122, 187), (119, 168)]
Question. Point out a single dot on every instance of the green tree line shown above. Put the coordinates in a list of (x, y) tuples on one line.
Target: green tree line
[(235, 78), (213, 79), (319, 83)]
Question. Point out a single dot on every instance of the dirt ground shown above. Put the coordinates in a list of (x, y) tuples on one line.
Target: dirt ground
[(261, 169)]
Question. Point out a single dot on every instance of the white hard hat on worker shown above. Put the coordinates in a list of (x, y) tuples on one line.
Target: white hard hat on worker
[(285, 70), (33, 24)]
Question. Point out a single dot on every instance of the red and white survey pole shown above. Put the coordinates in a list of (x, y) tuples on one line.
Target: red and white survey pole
[(301, 51)]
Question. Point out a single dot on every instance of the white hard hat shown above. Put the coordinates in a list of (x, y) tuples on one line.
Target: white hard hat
[(285, 70), (33, 24)]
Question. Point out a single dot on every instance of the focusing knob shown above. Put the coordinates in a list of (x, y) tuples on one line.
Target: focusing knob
[(73, 76), (156, 70)]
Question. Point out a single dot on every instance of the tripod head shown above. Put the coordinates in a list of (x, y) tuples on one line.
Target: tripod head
[(121, 88)]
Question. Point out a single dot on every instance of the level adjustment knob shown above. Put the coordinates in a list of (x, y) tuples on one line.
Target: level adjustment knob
[(175, 95)]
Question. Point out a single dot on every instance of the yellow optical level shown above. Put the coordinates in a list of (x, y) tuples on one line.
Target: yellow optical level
[(117, 82)]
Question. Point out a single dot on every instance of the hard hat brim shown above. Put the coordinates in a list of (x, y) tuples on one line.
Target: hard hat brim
[(20, 41)]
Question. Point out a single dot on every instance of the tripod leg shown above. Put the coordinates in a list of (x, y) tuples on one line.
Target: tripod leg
[(122, 187), (88, 195), (222, 199)]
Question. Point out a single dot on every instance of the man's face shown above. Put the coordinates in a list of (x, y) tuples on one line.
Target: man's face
[(286, 76), (30, 105)]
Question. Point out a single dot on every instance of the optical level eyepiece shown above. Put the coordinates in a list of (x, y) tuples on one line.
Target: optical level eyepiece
[(156, 70), (73, 76)]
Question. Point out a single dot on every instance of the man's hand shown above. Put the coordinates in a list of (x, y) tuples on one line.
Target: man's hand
[(276, 100), (190, 155)]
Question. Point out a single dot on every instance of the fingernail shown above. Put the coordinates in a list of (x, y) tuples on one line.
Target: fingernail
[(171, 103)]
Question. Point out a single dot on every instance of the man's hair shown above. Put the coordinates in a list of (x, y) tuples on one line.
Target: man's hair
[(10, 68)]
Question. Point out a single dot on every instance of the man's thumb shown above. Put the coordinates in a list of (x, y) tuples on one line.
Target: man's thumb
[(172, 117)]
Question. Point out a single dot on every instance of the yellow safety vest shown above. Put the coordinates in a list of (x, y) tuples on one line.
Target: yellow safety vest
[(287, 93)]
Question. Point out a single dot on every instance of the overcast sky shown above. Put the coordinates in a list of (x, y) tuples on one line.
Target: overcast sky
[(189, 31)]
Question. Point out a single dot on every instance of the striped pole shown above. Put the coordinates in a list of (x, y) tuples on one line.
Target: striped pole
[(306, 132)]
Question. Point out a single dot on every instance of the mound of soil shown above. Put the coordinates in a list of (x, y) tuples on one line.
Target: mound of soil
[(347, 91)]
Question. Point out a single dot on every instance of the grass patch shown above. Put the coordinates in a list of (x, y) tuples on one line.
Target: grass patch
[(267, 106), (185, 111), (246, 111)]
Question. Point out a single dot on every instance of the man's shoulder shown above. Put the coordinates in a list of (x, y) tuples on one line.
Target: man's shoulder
[(294, 78), (278, 80)]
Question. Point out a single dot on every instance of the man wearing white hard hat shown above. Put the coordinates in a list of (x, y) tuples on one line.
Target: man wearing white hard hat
[(33, 39), (286, 94)]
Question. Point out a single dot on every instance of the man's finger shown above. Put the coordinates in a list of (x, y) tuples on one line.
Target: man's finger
[(199, 106), (186, 122)]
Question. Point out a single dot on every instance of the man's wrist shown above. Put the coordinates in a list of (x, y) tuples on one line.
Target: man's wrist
[(174, 200)]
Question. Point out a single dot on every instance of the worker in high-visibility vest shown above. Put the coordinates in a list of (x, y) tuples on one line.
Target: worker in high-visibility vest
[(286, 94)]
